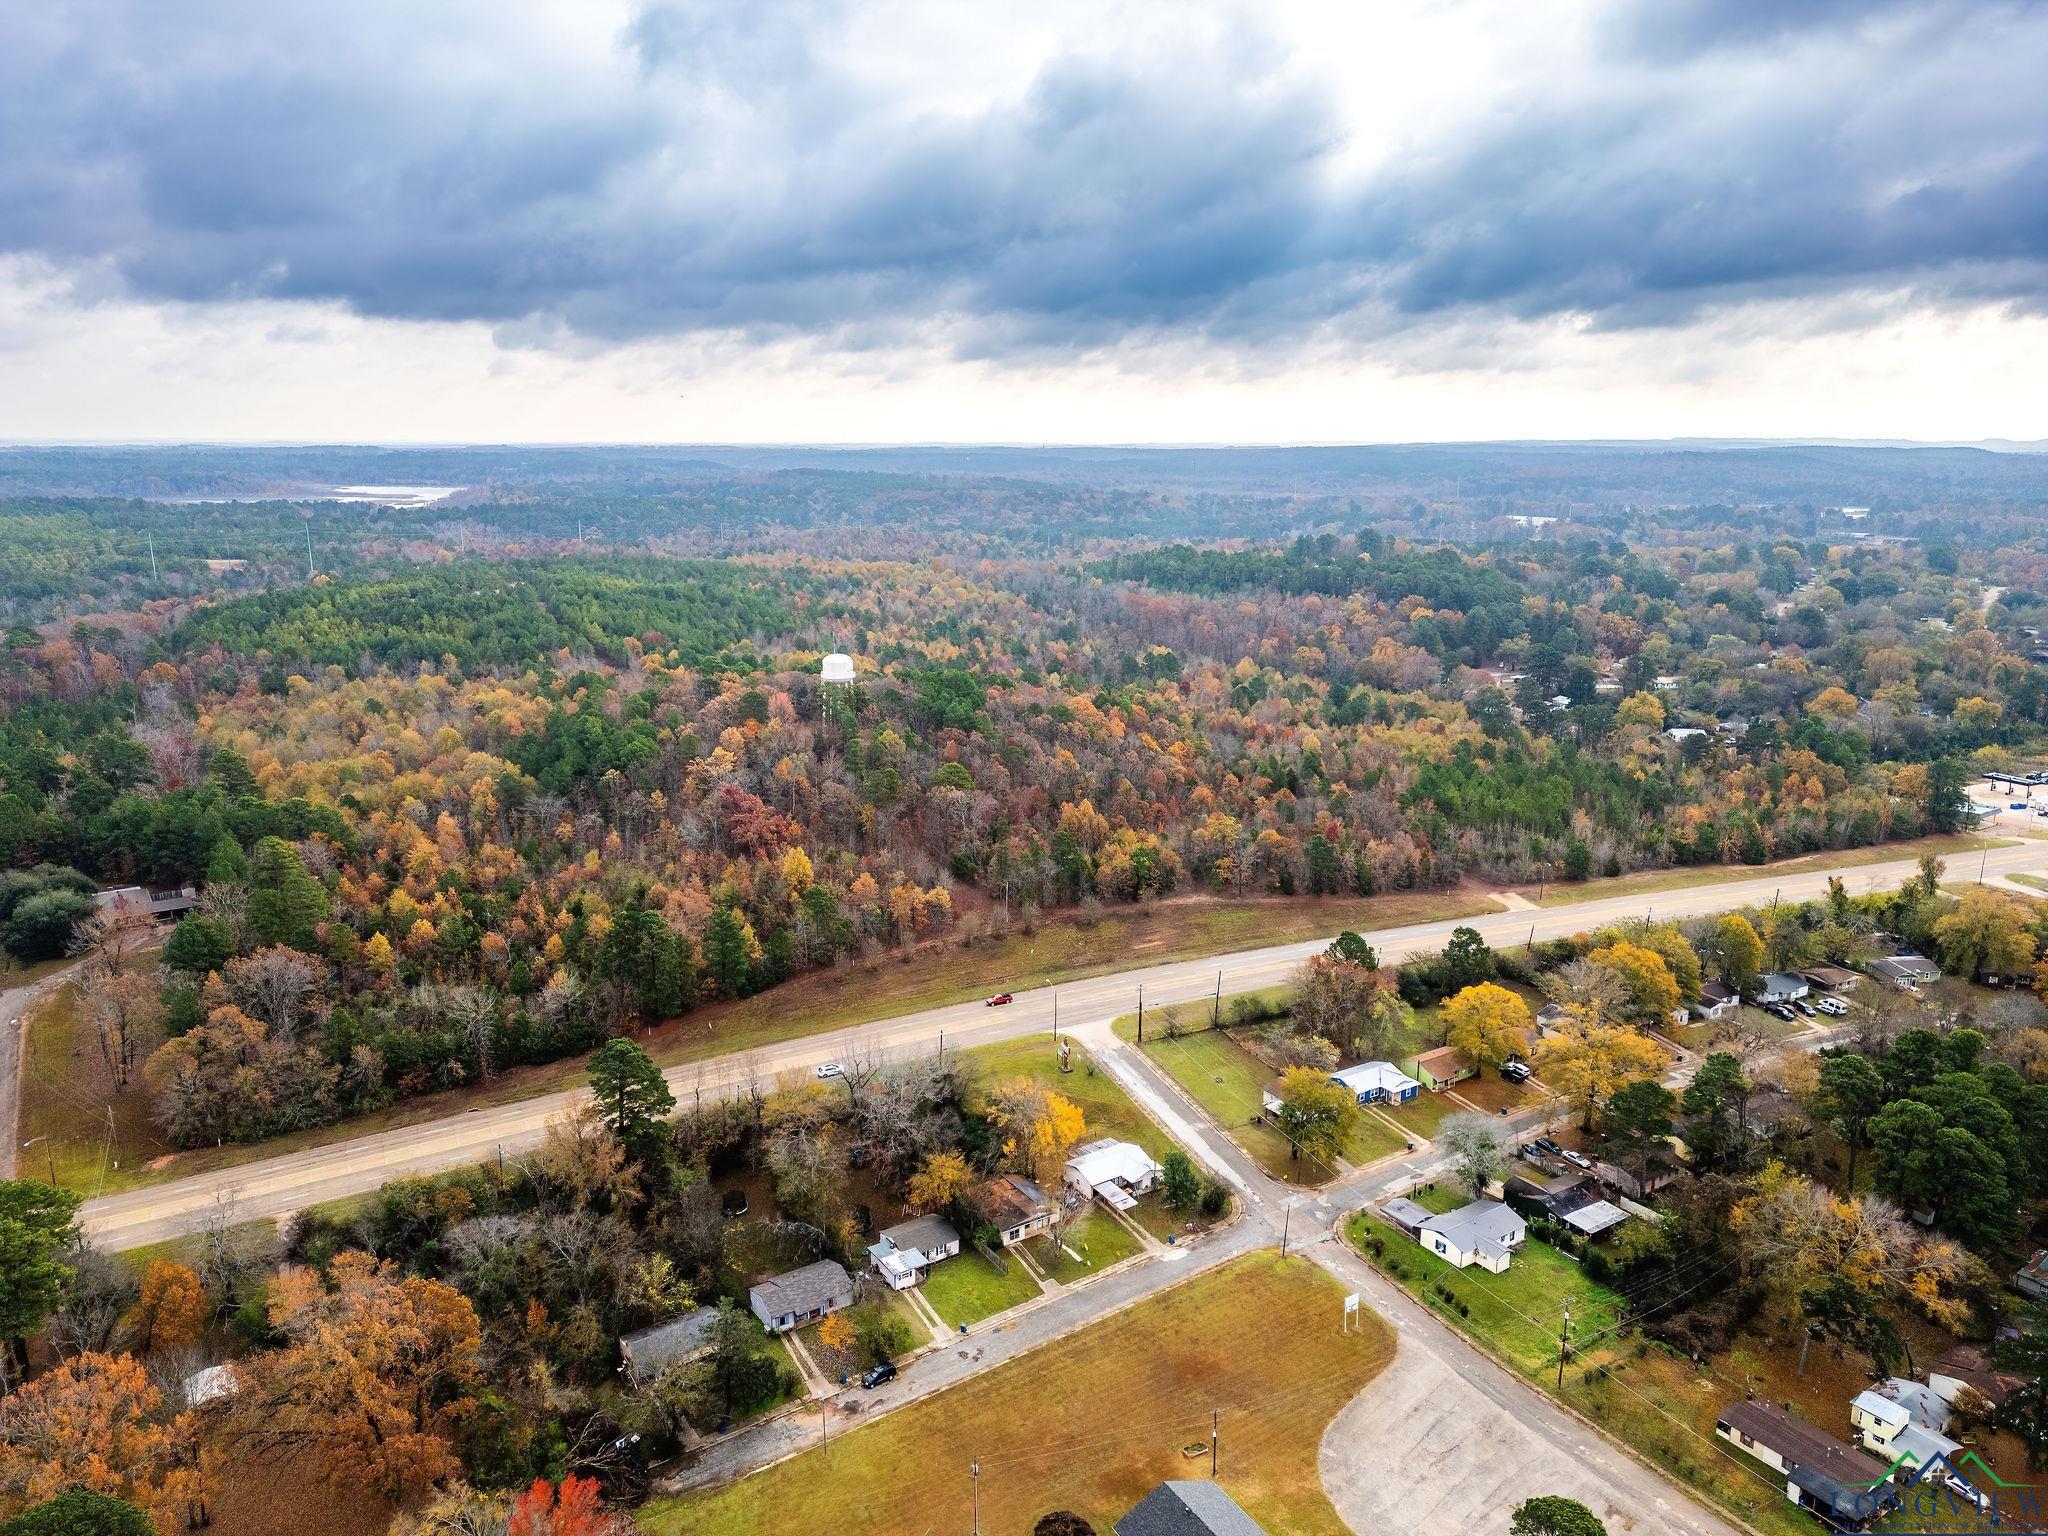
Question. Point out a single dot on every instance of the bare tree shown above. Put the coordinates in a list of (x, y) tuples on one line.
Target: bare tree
[(124, 1008), (279, 985)]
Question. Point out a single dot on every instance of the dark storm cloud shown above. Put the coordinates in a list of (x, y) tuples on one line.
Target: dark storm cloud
[(721, 168)]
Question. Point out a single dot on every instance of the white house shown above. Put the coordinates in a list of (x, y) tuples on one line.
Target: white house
[(901, 1254), (1115, 1172), (1902, 1418), (1904, 970), (1485, 1233), (1781, 987), (1683, 732), (1716, 1001), (802, 1296)]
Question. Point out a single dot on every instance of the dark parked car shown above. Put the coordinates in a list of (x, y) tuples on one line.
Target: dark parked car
[(877, 1374), (735, 1202)]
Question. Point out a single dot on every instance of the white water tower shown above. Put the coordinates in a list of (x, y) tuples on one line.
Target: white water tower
[(837, 668)]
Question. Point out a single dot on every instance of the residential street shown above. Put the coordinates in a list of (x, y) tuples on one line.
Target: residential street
[(279, 1185), (1474, 1438)]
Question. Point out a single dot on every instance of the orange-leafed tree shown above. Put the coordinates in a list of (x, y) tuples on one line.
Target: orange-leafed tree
[(374, 1377), (575, 1509), (171, 1310), (96, 1423)]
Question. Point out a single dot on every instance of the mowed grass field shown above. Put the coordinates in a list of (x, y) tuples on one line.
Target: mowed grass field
[(66, 1096), (1561, 895), (1226, 1079), (1091, 1422)]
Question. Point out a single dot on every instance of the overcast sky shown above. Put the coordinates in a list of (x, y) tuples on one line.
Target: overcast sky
[(796, 220)]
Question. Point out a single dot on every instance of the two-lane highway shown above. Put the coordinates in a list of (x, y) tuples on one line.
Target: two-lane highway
[(278, 1185)]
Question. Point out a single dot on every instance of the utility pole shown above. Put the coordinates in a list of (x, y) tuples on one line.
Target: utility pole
[(1212, 1444), (1216, 1013), (974, 1467), (1141, 1013), (824, 1426), (1286, 1225), (1564, 1342)]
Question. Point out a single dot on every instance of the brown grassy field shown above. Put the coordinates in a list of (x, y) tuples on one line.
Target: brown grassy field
[(1091, 1422)]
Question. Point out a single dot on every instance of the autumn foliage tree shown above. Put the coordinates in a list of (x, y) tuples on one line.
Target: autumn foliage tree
[(171, 1310), (1039, 1126), (1486, 1024), (1588, 1059), (374, 1377), (96, 1422)]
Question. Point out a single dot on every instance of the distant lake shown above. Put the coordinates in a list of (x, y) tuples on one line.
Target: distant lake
[(374, 495)]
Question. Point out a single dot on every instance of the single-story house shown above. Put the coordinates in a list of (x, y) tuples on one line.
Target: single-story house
[(1015, 1206), (1905, 970), (1552, 1017), (1780, 987), (901, 1254), (1768, 1110), (1186, 1507), (1485, 1233), (132, 903), (1659, 1169), (904, 1252), (1842, 1485), (211, 1384), (1115, 1172), (1405, 1214), (679, 1340), (1438, 1069), (1902, 1418), (1378, 1082), (1716, 1001), (1684, 732), (1831, 978), (802, 1296), (2031, 1278), (1965, 1371)]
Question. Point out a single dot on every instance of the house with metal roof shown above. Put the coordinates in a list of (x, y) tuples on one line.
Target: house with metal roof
[(1378, 1082), (1902, 1418), (1485, 1233), (1114, 1172), (1964, 1372), (802, 1296), (1845, 1487), (1186, 1507)]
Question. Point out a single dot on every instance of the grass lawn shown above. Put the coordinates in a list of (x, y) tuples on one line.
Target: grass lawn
[(1421, 1114), (1518, 1313), (1225, 1079), (1091, 1422), (1200, 1014), (1493, 1093), (66, 1093), (1709, 1034), (1099, 1238), (966, 1288), (1106, 1108), (1713, 874)]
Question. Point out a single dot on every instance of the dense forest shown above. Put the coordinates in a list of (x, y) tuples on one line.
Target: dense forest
[(513, 775)]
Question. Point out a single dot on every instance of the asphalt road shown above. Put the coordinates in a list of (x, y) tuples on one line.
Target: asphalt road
[(278, 1185)]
